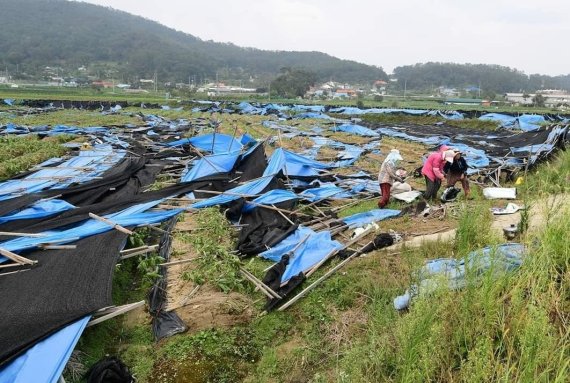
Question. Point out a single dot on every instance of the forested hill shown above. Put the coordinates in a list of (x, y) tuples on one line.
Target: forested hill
[(39, 33), (493, 78)]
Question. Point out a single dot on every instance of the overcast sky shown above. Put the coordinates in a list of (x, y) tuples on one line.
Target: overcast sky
[(530, 35)]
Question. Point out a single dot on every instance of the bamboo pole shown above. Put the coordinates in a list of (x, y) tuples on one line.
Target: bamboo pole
[(119, 310), (16, 258), (318, 281), (111, 223), (15, 234), (258, 283)]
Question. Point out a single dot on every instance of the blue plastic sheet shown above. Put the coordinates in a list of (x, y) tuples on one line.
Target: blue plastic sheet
[(363, 219), (312, 115), (530, 122), (79, 169), (133, 216), (451, 273), (315, 248), (217, 163), (433, 140), (9, 101), (251, 188), (212, 143), (45, 361), (356, 129), (324, 192), (293, 164), (270, 198), (38, 210)]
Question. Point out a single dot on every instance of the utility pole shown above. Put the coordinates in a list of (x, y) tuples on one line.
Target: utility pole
[(405, 87), (479, 88)]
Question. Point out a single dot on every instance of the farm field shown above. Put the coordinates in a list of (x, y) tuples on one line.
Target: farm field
[(492, 323)]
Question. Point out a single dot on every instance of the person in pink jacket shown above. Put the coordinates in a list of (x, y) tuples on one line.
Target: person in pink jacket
[(433, 170)]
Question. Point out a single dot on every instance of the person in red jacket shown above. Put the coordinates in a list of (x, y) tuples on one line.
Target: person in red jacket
[(433, 170)]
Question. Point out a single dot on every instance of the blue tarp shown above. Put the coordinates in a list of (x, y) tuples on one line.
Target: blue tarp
[(212, 143), (133, 216), (375, 215), (38, 210), (356, 129), (450, 115), (293, 164), (312, 251), (312, 115), (251, 188), (324, 192), (79, 169), (530, 122), (452, 273), (9, 101), (45, 361), (433, 140), (270, 198), (217, 163)]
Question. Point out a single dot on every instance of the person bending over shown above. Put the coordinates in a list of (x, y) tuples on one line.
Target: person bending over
[(388, 174), (457, 171), (433, 170)]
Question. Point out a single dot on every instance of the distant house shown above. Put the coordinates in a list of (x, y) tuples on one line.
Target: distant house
[(552, 97), (448, 92), (344, 93), (102, 84)]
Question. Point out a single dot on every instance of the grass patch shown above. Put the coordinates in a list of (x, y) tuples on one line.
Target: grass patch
[(18, 154)]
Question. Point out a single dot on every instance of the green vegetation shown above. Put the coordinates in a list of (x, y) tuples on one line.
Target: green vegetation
[(18, 154), (471, 123), (212, 243), (69, 35), (491, 78), (292, 83)]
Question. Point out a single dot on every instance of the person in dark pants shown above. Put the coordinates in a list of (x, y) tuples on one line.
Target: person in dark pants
[(457, 171), (433, 170)]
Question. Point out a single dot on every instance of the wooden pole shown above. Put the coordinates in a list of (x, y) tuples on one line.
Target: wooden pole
[(16, 258), (15, 234), (258, 283), (111, 223), (119, 310), (318, 281)]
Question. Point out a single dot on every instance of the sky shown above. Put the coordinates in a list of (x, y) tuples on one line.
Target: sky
[(530, 35)]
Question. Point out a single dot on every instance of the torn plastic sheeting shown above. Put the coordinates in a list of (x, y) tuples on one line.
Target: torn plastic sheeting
[(503, 119), (217, 163), (311, 252), (408, 196), (9, 101), (38, 210), (530, 122), (312, 115), (14, 129), (433, 140), (133, 216), (251, 188), (356, 129), (451, 273), (324, 192), (45, 361), (269, 198), (293, 164), (500, 193), (308, 108), (81, 168), (375, 215), (476, 158), (212, 143)]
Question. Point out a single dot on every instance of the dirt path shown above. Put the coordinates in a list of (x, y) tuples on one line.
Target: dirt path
[(541, 211)]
